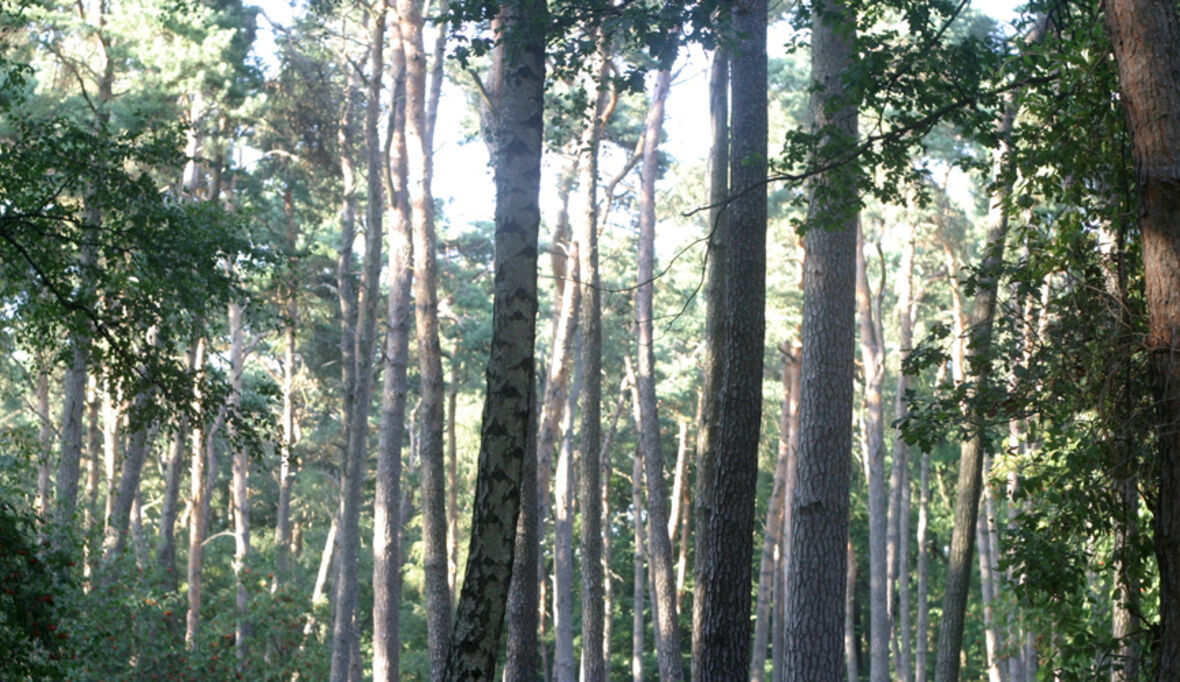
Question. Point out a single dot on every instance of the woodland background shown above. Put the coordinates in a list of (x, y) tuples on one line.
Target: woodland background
[(877, 390)]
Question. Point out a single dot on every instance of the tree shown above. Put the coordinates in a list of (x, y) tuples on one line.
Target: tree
[(508, 409), (726, 543), (816, 589), (1145, 36)]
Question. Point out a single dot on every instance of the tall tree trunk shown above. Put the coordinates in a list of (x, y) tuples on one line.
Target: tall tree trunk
[(851, 652), (198, 501), (240, 483), (166, 543), (772, 534), (608, 593), (987, 588), (115, 539), (872, 353), (718, 254), (979, 332), (816, 589), (726, 545), (639, 573), (1145, 35), (589, 481), (899, 475), (564, 662), (291, 310), (387, 518), (434, 516), (508, 419), (659, 542), (44, 439), (344, 605), (922, 626)]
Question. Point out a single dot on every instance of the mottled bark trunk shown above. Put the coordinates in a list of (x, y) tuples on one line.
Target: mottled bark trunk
[(816, 589), (659, 541), (987, 589), (1145, 35), (239, 486), (508, 419), (387, 517), (872, 353)]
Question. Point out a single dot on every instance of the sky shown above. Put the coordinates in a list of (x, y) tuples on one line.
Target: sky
[(463, 178)]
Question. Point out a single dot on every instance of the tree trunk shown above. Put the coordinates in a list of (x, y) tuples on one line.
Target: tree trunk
[(564, 662), (434, 516), (166, 543), (608, 593), (387, 518), (709, 422), (923, 616), (291, 309), (987, 588), (1145, 35), (659, 542), (979, 332), (240, 483), (816, 588), (872, 353), (850, 647), (344, 629), (639, 574), (508, 420), (899, 475), (44, 440), (772, 534), (198, 500)]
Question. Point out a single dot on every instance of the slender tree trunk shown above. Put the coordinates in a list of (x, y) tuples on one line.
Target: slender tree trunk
[(899, 475), (240, 483), (115, 539), (715, 306), (664, 602), (816, 590), (639, 574), (198, 500), (850, 648), (291, 309), (44, 439), (564, 663), (166, 544), (508, 422), (589, 482), (872, 352), (772, 535), (452, 483), (344, 605), (387, 517), (987, 588), (950, 635), (1145, 35), (434, 517), (923, 616), (608, 593)]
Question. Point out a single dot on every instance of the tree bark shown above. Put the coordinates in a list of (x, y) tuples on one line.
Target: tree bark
[(564, 662), (850, 647), (772, 533), (659, 542), (979, 332), (434, 516), (715, 306), (639, 573), (899, 475), (239, 486), (922, 620), (508, 420), (291, 310), (872, 353), (1145, 35), (726, 545), (198, 500), (816, 587), (387, 517)]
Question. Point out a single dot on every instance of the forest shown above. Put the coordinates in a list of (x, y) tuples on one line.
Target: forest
[(586, 340)]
